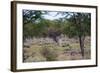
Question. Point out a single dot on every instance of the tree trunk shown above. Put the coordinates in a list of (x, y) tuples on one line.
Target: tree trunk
[(81, 41)]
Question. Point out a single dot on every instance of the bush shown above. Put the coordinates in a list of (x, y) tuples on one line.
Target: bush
[(49, 53)]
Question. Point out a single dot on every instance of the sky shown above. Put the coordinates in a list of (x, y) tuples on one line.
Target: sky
[(52, 16)]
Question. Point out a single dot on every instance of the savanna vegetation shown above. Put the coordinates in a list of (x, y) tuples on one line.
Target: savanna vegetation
[(56, 36)]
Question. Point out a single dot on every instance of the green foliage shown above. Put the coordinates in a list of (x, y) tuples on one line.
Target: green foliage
[(73, 24), (79, 24), (28, 30)]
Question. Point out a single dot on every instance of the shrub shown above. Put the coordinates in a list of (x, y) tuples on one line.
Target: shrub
[(49, 53)]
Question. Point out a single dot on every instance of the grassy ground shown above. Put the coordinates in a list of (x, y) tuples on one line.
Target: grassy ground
[(52, 52)]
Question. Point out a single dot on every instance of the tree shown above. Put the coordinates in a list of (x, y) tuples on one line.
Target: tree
[(30, 20), (79, 25), (36, 25), (32, 16)]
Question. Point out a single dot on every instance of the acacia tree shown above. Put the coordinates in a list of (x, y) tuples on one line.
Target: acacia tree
[(79, 25)]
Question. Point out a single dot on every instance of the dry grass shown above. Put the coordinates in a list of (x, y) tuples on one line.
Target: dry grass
[(48, 52)]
